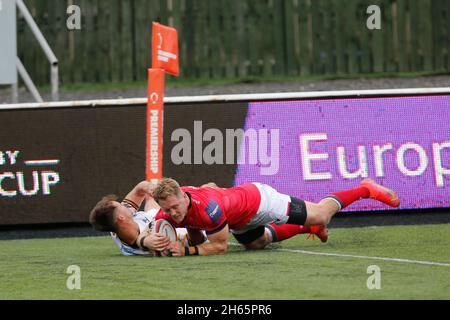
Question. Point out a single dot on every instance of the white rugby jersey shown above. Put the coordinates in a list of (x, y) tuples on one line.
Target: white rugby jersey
[(143, 219)]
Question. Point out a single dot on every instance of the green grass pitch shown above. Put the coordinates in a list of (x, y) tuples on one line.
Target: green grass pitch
[(36, 269)]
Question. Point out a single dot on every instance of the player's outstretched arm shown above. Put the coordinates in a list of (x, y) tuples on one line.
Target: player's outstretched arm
[(150, 203), (218, 244), (140, 191)]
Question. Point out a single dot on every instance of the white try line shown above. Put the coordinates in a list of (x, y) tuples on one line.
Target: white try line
[(429, 263)]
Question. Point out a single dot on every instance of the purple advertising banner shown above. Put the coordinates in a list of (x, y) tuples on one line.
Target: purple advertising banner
[(311, 148)]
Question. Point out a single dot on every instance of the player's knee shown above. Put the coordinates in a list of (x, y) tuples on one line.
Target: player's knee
[(258, 244), (254, 246), (222, 248)]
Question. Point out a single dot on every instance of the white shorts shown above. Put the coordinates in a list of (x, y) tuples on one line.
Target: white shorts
[(273, 208)]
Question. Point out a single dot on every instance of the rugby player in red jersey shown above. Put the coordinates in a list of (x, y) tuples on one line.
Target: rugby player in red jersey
[(127, 224), (254, 212)]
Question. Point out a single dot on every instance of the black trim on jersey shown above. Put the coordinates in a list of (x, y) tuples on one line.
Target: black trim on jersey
[(190, 200), (144, 248), (131, 203), (223, 225)]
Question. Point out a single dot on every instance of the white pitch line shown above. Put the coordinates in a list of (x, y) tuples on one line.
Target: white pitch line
[(429, 263)]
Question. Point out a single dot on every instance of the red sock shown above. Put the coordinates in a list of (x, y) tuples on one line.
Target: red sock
[(347, 197), (286, 231)]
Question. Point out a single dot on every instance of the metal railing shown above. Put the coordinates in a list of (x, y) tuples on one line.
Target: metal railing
[(186, 100), (54, 73)]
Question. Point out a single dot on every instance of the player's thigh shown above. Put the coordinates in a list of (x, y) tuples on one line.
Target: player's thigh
[(275, 208), (253, 239), (274, 205)]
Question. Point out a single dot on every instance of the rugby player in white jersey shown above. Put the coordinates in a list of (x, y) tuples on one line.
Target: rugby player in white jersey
[(127, 224)]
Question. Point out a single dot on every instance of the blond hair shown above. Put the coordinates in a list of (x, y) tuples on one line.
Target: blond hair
[(165, 188)]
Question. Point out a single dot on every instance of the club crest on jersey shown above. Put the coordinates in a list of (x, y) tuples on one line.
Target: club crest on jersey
[(213, 210)]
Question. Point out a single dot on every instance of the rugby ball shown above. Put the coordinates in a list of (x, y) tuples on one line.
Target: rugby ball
[(165, 228)]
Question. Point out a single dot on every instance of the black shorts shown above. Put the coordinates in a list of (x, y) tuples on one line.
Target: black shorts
[(250, 235)]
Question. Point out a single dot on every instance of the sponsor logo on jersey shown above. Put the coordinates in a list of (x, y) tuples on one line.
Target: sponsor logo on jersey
[(213, 210)]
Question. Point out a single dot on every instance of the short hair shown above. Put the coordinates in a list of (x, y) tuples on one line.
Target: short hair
[(102, 217), (165, 188)]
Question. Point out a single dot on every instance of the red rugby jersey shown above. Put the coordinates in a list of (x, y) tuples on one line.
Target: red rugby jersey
[(212, 208)]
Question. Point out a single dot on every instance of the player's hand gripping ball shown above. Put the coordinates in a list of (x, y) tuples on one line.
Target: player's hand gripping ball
[(162, 227)]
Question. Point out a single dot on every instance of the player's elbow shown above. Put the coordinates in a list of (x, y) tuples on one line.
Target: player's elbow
[(221, 247), (210, 185)]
